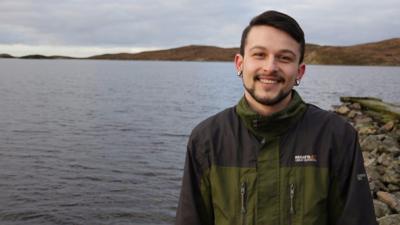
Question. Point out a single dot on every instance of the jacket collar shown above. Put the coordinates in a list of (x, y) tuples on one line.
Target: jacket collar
[(276, 123)]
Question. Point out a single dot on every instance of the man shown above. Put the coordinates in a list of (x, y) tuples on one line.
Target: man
[(273, 159)]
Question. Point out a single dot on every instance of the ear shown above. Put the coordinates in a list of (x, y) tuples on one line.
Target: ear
[(301, 70), (239, 62)]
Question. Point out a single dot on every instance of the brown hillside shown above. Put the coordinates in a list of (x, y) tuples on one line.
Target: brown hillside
[(45, 57), (6, 56), (187, 53), (385, 52), (379, 53)]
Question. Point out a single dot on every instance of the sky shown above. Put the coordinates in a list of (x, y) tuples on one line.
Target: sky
[(84, 28)]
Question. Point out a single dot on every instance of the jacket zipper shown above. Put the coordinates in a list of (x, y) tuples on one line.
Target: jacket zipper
[(243, 194), (291, 210), (292, 189)]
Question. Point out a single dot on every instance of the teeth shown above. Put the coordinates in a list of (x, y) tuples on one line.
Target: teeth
[(266, 81)]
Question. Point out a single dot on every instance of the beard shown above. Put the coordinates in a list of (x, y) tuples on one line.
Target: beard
[(265, 100)]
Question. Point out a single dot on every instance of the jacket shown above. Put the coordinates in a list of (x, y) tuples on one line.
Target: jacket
[(299, 166)]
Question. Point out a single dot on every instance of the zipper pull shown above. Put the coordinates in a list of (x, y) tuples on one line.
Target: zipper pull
[(292, 189), (243, 196)]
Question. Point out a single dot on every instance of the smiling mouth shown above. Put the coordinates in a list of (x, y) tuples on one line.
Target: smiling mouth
[(269, 80)]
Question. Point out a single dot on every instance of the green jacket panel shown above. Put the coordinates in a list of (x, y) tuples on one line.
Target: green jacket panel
[(301, 166)]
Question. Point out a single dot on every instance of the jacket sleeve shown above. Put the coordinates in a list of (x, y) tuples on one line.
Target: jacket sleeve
[(350, 200), (194, 205)]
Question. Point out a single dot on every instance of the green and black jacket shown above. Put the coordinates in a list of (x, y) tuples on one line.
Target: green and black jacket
[(302, 165)]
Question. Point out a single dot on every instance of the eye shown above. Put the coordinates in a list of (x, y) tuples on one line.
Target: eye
[(259, 54), (285, 58)]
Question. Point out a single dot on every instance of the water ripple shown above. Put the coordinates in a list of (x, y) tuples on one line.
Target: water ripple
[(98, 142)]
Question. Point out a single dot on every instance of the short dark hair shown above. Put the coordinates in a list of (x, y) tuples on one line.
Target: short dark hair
[(279, 21)]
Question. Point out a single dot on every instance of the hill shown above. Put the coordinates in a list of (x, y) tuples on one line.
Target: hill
[(186, 53), (385, 52), (6, 56), (45, 57)]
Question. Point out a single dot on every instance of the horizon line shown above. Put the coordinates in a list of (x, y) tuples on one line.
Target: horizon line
[(20, 50)]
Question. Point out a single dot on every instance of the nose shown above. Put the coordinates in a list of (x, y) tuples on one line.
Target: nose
[(270, 65)]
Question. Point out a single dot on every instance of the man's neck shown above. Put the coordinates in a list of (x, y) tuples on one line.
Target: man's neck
[(266, 110)]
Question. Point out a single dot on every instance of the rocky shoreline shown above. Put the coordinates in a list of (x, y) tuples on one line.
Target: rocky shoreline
[(378, 127)]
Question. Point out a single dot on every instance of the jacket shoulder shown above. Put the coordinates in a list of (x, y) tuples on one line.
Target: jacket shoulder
[(327, 120), (319, 132), (215, 123), (203, 138)]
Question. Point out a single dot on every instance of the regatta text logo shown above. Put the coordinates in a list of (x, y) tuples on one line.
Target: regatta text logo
[(305, 158)]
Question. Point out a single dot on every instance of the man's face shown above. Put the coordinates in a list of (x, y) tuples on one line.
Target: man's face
[(270, 65)]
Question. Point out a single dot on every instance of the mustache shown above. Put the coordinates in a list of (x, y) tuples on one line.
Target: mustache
[(276, 77)]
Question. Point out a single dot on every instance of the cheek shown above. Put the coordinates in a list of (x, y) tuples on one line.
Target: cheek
[(247, 78), (250, 65), (291, 72)]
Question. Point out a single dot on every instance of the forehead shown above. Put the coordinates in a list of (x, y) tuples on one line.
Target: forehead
[(271, 38)]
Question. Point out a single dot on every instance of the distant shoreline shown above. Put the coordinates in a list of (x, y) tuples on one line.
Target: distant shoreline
[(382, 53)]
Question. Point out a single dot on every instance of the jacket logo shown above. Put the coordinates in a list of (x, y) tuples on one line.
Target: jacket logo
[(305, 158), (361, 176)]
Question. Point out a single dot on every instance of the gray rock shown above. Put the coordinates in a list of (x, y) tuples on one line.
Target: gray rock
[(385, 159), (390, 220), (391, 176), (355, 106), (390, 200), (396, 133), (382, 142), (371, 143), (391, 149), (393, 188), (368, 130), (369, 160), (343, 110), (389, 144), (352, 114), (376, 186), (372, 172), (374, 178), (389, 126), (362, 119), (381, 209)]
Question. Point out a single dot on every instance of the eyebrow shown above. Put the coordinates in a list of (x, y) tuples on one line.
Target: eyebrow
[(258, 47)]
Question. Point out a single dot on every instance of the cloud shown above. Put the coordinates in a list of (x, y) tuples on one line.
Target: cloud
[(75, 51), (151, 23), (165, 24), (339, 22)]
